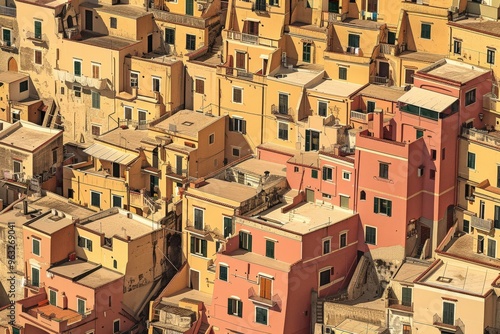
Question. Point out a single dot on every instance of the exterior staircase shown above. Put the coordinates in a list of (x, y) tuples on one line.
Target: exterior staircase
[(319, 312), (204, 328)]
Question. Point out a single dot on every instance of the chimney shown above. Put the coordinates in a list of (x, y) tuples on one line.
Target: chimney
[(378, 123)]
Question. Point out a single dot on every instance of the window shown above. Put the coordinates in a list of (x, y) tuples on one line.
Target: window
[(54, 155), (325, 195), (116, 201), (169, 36), (406, 329), (308, 3), (470, 97), (370, 106), (234, 307), (52, 297), (71, 193), (425, 31), (134, 79), (342, 73), (314, 173), (127, 113), (245, 241), (370, 235), (327, 173), (344, 202), (383, 170), (198, 218), (198, 246), (261, 315), (238, 125), (449, 313), (419, 133), (38, 57), (96, 71), (443, 151), (496, 215), (283, 131), (236, 151), (283, 103), (273, 2), (116, 326), (23, 86), (362, 195), (96, 130), (353, 41), (306, 52), (382, 206), (241, 60), (95, 199), (265, 287), (6, 37), (77, 90), (199, 86), (406, 296), (324, 277), (190, 42), (17, 167), (492, 248), (322, 108), (113, 22), (481, 209), (457, 47), (85, 243), (96, 100), (471, 160), (81, 305), (432, 174), (228, 226), (211, 138), (346, 175), (16, 115), (433, 154), (38, 29), (223, 272), (466, 227), (156, 84), (77, 67), (343, 240), (326, 246), (409, 76), (35, 246), (270, 249), (490, 56), (237, 95), (312, 140), (35, 276)]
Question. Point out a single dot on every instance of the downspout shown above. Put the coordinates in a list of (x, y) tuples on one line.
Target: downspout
[(114, 91), (262, 118)]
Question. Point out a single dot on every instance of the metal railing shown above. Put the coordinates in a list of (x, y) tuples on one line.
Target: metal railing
[(379, 80), (361, 116), (389, 49), (251, 39)]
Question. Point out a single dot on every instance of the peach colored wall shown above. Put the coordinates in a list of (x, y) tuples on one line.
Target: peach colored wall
[(271, 156), (337, 186), (60, 248), (302, 179)]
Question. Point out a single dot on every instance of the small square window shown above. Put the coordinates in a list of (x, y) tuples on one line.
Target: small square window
[(327, 173), (314, 173), (199, 86), (419, 134), (261, 315), (425, 31), (77, 90), (169, 36), (325, 195), (295, 169), (211, 138), (23, 86), (113, 22), (383, 171), (346, 176), (324, 277), (96, 130), (236, 152), (237, 95), (134, 79), (322, 108), (342, 73)]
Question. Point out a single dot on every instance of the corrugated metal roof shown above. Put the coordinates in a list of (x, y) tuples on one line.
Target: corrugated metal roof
[(427, 99), (100, 151)]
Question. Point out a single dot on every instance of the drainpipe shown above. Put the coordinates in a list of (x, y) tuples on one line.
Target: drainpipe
[(262, 119), (114, 91)]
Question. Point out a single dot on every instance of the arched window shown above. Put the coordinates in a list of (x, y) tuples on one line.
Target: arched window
[(362, 195)]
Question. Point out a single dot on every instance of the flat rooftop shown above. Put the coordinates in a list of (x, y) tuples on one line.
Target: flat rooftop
[(453, 70), (186, 123), (461, 277), (409, 271), (382, 92), (51, 223), (335, 87), (296, 76), (46, 3), (115, 222), (105, 41), (427, 99), (358, 327), (124, 10), (462, 248), (360, 23), (128, 138), (60, 203), (93, 275), (100, 277), (73, 269), (305, 217), (234, 191), (161, 58), (425, 57), (188, 293), (250, 257), (10, 76), (475, 24), (27, 136), (305, 159), (259, 167)]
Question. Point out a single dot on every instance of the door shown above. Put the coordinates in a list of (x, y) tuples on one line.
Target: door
[(265, 287), (142, 117), (35, 276), (383, 70), (150, 43), (178, 165), (89, 23), (189, 7), (194, 279), (153, 183), (310, 195), (12, 65)]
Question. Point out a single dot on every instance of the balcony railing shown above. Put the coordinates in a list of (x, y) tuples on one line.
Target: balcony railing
[(399, 305), (482, 224), (389, 49), (8, 11), (36, 37), (481, 135), (361, 116), (251, 39), (29, 284), (333, 17), (454, 325), (379, 80), (255, 297)]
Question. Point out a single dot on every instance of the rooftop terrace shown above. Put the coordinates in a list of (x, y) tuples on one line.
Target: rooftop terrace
[(295, 76), (335, 87), (186, 123), (27, 136), (448, 69)]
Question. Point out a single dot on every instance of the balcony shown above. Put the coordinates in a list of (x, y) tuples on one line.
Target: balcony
[(491, 103), (251, 39), (333, 17), (379, 80), (38, 39), (8, 11), (282, 112), (33, 286), (256, 298), (491, 138), (455, 326), (389, 49), (484, 9), (482, 224), (360, 116), (202, 230), (399, 305)]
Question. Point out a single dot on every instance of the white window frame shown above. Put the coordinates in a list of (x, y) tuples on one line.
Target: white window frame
[(10, 42), (340, 238), (48, 295), (454, 309), (325, 102), (232, 94), (84, 304), (153, 78), (100, 198), (329, 239), (237, 148), (287, 130), (344, 173), (77, 92), (118, 196), (376, 234), (77, 60), (119, 327), (39, 246), (329, 268), (329, 167), (255, 312), (132, 76)]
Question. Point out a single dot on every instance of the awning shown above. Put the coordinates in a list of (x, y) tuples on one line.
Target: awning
[(102, 152), (427, 99)]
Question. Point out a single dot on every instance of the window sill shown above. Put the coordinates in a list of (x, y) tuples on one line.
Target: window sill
[(200, 256)]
